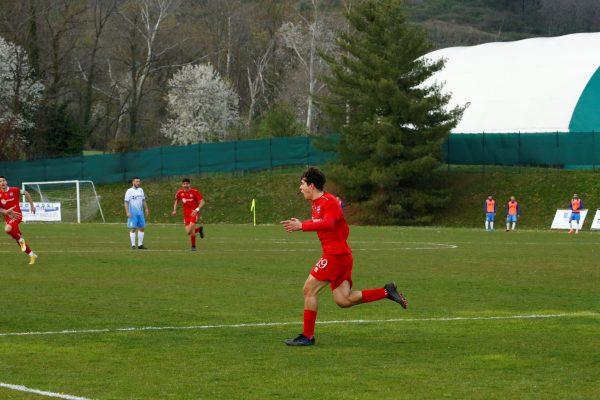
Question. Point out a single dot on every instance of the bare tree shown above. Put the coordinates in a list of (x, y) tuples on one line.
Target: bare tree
[(304, 40), (99, 15), (142, 54)]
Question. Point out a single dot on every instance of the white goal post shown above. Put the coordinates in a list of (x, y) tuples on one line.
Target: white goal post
[(78, 200)]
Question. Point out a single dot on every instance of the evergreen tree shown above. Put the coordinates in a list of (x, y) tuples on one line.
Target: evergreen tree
[(62, 135), (392, 124)]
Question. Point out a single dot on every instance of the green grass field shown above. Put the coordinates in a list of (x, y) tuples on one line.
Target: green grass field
[(457, 339)]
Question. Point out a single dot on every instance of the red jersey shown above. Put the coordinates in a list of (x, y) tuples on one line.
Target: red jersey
[(10, 198), (329, 223), (190, 199)]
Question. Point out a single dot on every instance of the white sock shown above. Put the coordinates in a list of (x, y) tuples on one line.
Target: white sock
[(487, 223), (132, 237), (507, 225), (140, 238), (514, 226), (576, 226), (492, 225)]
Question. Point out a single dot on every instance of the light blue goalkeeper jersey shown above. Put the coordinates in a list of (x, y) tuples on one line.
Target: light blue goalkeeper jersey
[(135, 198)]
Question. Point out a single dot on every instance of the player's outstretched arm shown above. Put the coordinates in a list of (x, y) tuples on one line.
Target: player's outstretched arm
[(10, 212), (29, 200), (174, 212), (291, 225)]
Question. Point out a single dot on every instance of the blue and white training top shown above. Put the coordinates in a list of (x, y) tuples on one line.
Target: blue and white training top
[(135, 197)]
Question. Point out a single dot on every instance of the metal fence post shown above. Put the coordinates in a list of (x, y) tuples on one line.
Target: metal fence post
[(307, 150), (200, 158), (271, 154), (519, 150), (483, 151), (593, 150), (161, 161)]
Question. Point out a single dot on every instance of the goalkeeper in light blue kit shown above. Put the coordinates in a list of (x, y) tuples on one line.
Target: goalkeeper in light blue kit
[(135, 207)]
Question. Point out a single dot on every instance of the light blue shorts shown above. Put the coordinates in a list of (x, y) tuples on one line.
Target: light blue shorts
[(137, 221), (575, 217), (489, 216), (511, 218)]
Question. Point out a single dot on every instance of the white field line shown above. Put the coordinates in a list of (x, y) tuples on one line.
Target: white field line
[(22, 388), (432, 246), (268, 324)]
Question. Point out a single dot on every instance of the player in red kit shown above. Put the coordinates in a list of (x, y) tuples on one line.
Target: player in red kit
[(192, 201), (335, 266), (9, 200)]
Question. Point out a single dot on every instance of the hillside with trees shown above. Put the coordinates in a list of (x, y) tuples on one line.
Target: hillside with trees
[(103, 74)]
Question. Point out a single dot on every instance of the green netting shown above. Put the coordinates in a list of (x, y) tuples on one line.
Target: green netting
[(246, 155), (536, 149), (569, 150)]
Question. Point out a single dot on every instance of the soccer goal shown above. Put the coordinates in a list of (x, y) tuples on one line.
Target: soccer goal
[(78, 199)]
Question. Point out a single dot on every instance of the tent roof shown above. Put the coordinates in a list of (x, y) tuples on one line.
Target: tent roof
[(531, 85)]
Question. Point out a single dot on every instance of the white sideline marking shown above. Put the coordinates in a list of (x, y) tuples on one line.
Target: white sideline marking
[(22, 388), (426, 246), (262, 324)]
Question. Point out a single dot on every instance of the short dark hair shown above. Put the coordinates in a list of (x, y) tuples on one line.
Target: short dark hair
[(185, 180), (134, 178), (315, 176), (2, 176)]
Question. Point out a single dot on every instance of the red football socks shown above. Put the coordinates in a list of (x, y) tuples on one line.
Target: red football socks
[(197, 230), (15, 234), (310, 317), (193, 238), (373, 295)]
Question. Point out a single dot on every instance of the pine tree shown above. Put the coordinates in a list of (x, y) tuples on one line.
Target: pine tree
[(392, 125)]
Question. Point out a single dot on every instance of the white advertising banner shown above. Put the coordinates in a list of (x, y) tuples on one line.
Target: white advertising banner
[(44, 212), (596, 221), (562, 216)]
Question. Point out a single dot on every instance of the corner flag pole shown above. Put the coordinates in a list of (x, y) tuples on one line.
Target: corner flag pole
[(253, 209)]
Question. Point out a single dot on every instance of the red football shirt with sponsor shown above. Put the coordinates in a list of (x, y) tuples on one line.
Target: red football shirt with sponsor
[(10, 198), (329, 223), (190, 199)]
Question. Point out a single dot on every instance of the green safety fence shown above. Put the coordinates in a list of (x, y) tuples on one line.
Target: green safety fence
[(564, 150), (246, 155), (567, 150)]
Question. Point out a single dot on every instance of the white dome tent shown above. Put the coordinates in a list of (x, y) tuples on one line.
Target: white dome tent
[(528, 86)]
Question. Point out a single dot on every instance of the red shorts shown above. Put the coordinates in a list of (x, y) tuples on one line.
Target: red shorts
[(335, 268), (13, 222), (188, 218)]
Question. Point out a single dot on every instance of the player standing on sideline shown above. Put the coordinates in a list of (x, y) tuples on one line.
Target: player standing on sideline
[(576, 206), (135, 206), (512, 213), (489, 206), (9, 200), (335, 266), (192, 201)]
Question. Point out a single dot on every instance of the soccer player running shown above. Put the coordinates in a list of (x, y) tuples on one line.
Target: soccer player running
[(192, 201), (9, 200), (576, 206), (334, 268), (490, 212), (512, 213), (135, 207)]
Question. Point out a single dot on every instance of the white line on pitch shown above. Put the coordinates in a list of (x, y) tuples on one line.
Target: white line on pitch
[(262, 324), (213, 250), (22, 388)]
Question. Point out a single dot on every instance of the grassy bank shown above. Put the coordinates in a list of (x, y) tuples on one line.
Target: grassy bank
[(540, 191)]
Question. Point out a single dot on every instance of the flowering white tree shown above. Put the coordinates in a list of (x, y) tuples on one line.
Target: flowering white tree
[(202, 106), (19, 92)]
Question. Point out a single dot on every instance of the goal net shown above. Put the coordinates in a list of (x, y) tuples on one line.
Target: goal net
[(78, 200)]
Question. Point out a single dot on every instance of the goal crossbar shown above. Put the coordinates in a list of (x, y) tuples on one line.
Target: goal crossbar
[(78, 198)]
